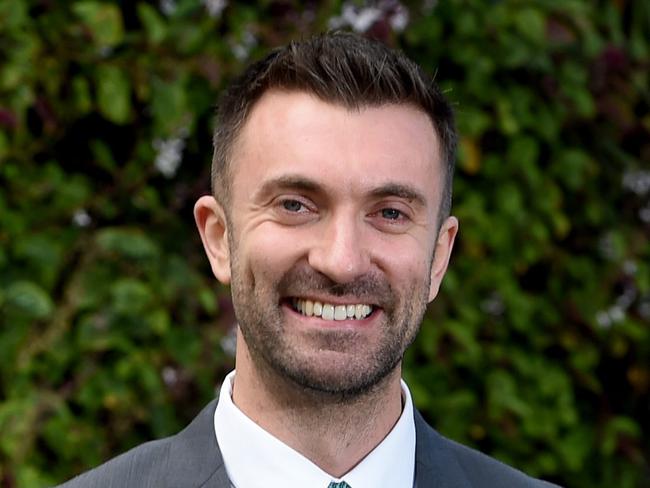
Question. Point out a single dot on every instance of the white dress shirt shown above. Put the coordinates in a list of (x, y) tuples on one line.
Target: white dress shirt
[(255, 459)]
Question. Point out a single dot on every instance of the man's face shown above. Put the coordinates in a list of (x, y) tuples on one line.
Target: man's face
[(332, 245)]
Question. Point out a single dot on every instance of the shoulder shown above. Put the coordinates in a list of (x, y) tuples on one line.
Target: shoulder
[(443, 462), (139, 466), (190, 458)]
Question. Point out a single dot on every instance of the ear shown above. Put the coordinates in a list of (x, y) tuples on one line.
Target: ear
[(444, 245), (212, 224)]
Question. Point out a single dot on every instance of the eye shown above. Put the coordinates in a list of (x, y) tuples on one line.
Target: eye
[(392, 218), (391, 214), (293, 206), (294, 209)]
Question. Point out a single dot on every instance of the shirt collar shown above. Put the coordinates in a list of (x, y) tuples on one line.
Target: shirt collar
[(256, 459)]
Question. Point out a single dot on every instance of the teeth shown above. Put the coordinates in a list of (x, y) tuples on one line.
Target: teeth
[(358, 311), (329, 311), (340, 312), (349, 311)]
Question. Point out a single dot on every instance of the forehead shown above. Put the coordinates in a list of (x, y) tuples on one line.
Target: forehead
[(297, 133)]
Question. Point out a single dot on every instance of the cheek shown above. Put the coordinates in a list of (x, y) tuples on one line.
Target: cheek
[(413, 274), (408, 261), (269, 251)]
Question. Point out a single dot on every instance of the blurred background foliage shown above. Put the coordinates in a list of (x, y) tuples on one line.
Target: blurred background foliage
[(113, 330)]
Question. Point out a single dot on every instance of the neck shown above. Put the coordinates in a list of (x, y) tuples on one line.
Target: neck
[(335, 432)]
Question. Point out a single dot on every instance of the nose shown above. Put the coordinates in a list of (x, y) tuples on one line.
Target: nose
[(339, 251)]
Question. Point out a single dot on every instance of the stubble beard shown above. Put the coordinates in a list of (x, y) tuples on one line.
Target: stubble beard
[(337, 364)]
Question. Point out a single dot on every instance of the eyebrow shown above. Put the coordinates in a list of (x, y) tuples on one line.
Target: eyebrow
[(401, 191), (300, 183), (288, 182)]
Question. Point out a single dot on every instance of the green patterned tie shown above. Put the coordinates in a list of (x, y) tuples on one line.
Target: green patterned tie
[(342, 484)]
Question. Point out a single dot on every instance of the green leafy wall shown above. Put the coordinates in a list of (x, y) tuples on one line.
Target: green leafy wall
[(113, 331)]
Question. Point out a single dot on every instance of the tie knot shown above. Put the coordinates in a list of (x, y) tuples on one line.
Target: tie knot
[(341, 484)]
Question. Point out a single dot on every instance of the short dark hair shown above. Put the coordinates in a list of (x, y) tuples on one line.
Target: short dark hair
[(340, 68)]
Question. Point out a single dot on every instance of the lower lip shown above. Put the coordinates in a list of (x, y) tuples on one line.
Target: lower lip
[(318, 322)]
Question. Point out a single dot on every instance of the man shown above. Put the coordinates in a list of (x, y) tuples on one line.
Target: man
[(330, 220)]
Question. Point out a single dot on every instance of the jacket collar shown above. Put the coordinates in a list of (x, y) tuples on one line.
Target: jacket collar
[(435, 467), (197, 447)]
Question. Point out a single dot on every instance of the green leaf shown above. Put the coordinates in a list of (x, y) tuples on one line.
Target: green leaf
[(14, 15), (29, 299), (104, 20), (102, 155), (81, 94), (153, 23), (472, 121), (571, 167), (158, 321), (582, 101), (169, 106), (208, 300), (617, 428), (130, 243), (576, 446), (504, 395), (16, 417), (523, 152), (42, 254), (113, 93), (531, 23), (507, 121), (130, 296)]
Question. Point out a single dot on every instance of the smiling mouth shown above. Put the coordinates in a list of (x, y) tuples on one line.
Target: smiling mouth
[(331, 311)]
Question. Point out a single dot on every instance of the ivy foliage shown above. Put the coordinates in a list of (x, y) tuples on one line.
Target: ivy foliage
[(113, 331)]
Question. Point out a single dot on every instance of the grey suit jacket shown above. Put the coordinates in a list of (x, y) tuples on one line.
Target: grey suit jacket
[(192, 458)]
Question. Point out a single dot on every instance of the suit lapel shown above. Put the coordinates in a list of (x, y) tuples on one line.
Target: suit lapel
[(435, 467), (196, 450), (197, 447)]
